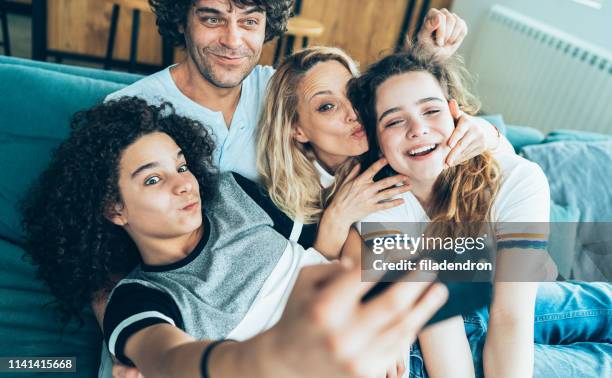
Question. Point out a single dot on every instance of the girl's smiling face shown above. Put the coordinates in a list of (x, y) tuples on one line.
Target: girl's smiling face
[(414, 124)]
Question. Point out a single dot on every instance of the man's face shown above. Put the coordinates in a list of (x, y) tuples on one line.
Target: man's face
[(225, 41)]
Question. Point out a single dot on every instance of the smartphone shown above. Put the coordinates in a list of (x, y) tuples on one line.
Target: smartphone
[(463, 297)]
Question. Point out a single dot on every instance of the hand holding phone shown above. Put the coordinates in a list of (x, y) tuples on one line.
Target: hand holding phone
[(463, 297)]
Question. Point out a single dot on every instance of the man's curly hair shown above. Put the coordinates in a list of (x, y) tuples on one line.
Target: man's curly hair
[(172, 14), (76, 249)]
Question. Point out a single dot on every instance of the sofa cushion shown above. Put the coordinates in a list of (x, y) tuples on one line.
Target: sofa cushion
[(580, 174), (575, 135), (562, 240), (521, 136), (92, 73), (29, 327), (496, 120), (35, 116)]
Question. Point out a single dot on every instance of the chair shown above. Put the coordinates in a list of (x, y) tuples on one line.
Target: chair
[(136, 6), (298, 27), (6, 41)]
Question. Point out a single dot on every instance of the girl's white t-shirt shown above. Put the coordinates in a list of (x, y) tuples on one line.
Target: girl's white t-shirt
[(523, 196)]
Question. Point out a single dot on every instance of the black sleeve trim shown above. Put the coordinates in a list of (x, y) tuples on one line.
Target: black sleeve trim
[(282, 223), (132, 299), (308, 235), (129, 331)]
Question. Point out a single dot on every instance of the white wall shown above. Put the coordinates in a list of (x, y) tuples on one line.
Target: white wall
[(592, 25)]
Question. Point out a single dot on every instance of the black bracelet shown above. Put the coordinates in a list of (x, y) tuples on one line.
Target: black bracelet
[(206, 356)]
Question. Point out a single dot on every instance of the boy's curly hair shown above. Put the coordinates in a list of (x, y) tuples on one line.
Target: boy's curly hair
[(76, 249), (172, 14)]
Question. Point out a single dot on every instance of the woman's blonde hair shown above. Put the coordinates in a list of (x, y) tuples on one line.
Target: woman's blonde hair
[(463, 193), (286, 165)]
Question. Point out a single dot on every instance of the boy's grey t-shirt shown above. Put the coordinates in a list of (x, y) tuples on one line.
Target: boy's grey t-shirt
[(234, 284), (235, 146)]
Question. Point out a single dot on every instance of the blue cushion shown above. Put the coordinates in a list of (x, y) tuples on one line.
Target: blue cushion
[(92, 73), (35, 117), (562, 240), (30, 328), (518, 136), (496, 120), (579, 173), (521, 136), (575, 135)]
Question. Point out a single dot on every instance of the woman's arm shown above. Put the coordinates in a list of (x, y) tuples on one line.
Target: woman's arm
[(446, 350)]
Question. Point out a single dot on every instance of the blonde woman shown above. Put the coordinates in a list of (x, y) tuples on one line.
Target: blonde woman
[(310, 139), (408, 103)]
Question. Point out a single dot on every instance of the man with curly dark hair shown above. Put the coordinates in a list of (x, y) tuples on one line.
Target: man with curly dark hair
[(220, 84), (133, 189)]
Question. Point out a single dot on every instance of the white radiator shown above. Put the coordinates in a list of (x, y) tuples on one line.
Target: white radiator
[(538, 76)]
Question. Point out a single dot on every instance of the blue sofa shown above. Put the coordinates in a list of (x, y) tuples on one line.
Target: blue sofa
[(37, 102)]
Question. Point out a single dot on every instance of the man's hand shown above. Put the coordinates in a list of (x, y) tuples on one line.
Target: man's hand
[(442, 33), (471, 136)]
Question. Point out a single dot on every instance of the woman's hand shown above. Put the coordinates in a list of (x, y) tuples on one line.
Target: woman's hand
[(471, 136), (442, 33), (357, 197)]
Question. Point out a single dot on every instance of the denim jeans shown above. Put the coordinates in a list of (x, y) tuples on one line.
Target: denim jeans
[(572, 332)]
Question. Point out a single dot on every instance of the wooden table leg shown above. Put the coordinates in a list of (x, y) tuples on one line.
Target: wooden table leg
[(39, 29), (6, 39), (112, 33)]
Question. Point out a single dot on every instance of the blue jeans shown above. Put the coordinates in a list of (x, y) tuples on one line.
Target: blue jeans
[(572, 332)]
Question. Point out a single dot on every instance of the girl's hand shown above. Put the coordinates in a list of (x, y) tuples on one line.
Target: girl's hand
[(359, 196), (398, 369), (328, 331), (472, 136), (122, 371)]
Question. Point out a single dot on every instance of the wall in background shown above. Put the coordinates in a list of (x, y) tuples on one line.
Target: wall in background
[(592, 25), (364, 28)]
